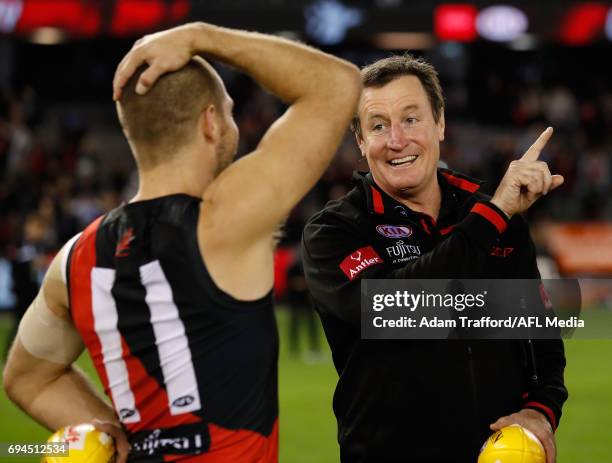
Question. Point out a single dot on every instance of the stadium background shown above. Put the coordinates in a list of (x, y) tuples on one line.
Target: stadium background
[(63, 159)]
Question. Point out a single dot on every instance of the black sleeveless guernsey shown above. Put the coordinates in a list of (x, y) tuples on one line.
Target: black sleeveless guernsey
[(190, 371)]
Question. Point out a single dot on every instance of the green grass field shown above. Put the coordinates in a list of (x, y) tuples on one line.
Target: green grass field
[(308, 428)]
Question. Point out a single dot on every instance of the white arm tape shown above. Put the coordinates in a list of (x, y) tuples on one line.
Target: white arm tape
[(65, 253), (47, 336)]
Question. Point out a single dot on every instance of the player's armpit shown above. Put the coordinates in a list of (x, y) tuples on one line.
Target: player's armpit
[(257, 192)]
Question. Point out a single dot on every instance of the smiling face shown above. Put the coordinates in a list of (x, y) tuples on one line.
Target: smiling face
[(400, 137)]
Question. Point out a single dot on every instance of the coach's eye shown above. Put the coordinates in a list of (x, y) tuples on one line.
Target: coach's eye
[(377, 127)]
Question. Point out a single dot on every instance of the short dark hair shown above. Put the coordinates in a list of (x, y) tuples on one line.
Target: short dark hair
[(165, 117), (383, 71)]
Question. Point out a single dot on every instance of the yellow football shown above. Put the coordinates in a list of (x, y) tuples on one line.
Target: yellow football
[(86, 445), (512, 444)]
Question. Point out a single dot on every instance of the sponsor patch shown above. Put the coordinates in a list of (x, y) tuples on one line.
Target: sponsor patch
[(394, 231), (190, 439), (359, 260), (401, 252)]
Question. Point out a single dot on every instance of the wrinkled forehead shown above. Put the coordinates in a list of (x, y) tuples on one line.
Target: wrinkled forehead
[(401, 94)]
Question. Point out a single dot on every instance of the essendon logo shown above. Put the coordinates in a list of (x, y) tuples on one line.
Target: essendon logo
[(394, 231), (358, 261), (498, 251), (123, 246)]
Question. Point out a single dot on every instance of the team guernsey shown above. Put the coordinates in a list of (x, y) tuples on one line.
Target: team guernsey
[(190, 371)]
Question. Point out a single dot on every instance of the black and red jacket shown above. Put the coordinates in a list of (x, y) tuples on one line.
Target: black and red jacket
[(424, 400)]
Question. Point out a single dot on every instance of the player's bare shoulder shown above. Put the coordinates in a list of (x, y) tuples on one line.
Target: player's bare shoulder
[(238, 256)]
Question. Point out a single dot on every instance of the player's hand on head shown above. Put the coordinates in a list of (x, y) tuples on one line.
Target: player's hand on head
[(121, 442), (163, 52), (535, 422), (526, 179)]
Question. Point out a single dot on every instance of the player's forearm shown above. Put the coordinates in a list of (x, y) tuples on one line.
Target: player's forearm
[(67, 399), (288, 69)]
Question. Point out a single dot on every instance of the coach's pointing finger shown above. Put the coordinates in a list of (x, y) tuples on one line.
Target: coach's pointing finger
[(533, 153)]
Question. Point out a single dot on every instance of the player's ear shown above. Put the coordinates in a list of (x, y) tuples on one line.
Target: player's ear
[(441, 126), (209, 124)]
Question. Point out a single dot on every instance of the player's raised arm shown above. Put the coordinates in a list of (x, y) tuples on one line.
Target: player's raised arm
[(322, 91)]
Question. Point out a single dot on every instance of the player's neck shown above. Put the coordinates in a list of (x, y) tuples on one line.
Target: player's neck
[(189, 173)]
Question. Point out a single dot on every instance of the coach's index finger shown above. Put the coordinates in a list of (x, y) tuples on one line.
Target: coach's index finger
[(533, 153)]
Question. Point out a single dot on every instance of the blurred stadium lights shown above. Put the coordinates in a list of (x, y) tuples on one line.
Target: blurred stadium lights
[(501, 23), (388, 3), (404, 41), (138, 15), (583, 23), (10, 11), (327, 21), (82, 18), (451, 50), (609, 24), (524, 43), (48, 36), (456, 22)]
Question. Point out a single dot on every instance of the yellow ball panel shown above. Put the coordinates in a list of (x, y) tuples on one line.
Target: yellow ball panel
[(86, 443), (512, 444)]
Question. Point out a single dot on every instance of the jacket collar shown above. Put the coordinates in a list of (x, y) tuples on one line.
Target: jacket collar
[(456, 188)]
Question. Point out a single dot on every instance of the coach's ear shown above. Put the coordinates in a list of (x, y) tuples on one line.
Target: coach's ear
[(441, 126), (210, 125), (356, 129), (361, 144)]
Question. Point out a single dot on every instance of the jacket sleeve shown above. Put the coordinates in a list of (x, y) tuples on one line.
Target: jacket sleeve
[(548, 392), (331, 239)]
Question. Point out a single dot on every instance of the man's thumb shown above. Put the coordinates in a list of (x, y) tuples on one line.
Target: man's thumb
[(557, 181)]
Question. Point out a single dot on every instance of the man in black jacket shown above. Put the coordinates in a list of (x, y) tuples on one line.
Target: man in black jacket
[(427, 400)]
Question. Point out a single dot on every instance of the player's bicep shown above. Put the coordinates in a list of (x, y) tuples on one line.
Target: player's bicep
[(48, 336), (260, 189), (46, 332), (45, 346)]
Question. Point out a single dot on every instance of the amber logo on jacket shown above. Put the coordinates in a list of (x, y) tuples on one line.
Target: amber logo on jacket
[(359, 260)]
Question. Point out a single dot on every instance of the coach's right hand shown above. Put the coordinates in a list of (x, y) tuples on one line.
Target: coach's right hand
[(526, 180)]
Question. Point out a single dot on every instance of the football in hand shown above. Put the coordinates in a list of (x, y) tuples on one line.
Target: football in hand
[(512, 444), (86, 445)]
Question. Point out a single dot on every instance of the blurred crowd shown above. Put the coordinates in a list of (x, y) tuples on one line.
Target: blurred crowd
[(64, 163)]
